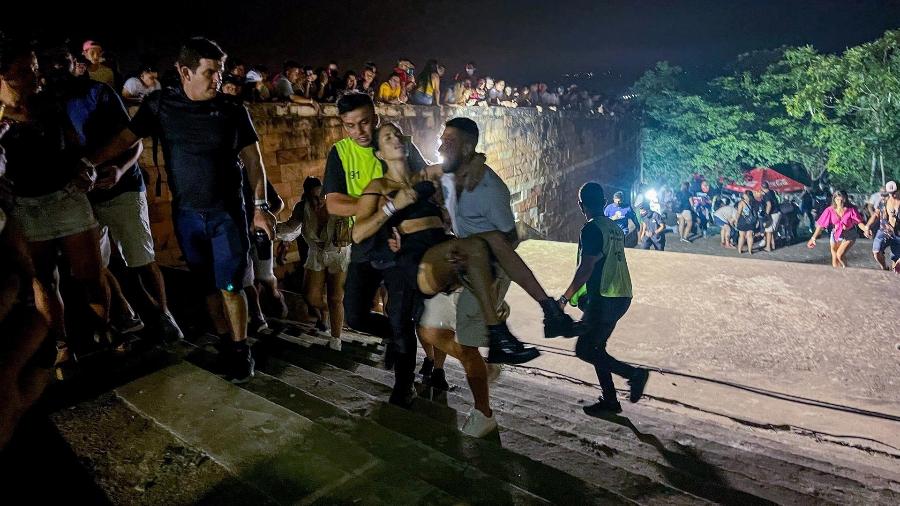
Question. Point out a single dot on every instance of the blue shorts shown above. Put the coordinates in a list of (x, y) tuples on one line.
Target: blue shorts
[(216, 246), (883, 241), (719, 221)]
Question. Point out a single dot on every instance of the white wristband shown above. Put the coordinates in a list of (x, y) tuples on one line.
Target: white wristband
[(260, 202), (87, 162), (388, 209)]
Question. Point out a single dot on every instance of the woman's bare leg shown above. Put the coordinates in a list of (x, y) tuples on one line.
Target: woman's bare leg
[(436, 273), (82, 250), (314, 286), (842, 252), (513, 265), (334, 283)]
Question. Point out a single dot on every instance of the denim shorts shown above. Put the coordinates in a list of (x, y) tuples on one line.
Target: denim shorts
[(216, 246), (884, 241)]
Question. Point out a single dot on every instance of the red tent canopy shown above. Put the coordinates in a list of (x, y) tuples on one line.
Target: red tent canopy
[(754, 178)]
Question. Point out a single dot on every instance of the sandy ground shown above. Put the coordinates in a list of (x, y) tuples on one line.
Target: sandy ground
[(804, 330)]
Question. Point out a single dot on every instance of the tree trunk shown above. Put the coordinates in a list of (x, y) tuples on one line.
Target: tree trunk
[(874, 168), (881, 164)]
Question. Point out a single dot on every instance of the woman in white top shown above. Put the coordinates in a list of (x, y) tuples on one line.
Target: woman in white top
[(328, 238), (136, 88)]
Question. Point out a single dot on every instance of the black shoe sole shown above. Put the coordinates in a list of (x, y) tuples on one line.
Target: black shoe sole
[(559, 330), (637, 385), (602, 412), (519, 357)]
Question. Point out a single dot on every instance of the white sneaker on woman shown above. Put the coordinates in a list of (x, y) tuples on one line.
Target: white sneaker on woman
[(335, 343), (478, 425)]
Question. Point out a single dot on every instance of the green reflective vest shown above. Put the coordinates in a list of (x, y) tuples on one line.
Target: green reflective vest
[(360, 165), (615, 281)]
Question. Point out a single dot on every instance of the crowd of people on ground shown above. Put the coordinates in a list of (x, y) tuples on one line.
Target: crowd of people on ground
[(437, 240), (762, 220)]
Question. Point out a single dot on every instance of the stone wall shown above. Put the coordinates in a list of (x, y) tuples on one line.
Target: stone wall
[(543, 155)]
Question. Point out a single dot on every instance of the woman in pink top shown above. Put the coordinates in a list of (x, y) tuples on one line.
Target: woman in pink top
[(844, 217)]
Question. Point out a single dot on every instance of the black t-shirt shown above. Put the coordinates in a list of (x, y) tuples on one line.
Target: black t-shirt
[(71, 120), (590, 243), (201, 141), (653, 220), (682, 201), (336, 178), (769, 196), (37, 162)]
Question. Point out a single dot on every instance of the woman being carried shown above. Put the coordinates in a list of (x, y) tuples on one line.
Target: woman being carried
[(400, 203)]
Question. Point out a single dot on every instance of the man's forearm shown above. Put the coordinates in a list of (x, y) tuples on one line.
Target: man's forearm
[(119, 144), (256, 171), (582, 275), (340, 204)]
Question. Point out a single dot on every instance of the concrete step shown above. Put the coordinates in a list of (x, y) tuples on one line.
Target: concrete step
[(362, 419), (683, 461), (345, 387), (774, 460), (429, 426), (288, 457)]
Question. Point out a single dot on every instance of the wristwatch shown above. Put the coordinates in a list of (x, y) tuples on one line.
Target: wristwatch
[(562, 300), (261, 204)]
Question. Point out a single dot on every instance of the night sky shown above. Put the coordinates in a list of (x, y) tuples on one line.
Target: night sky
[(517, 40)]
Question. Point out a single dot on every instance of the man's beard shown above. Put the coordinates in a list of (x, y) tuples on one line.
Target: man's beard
[(451, 165)]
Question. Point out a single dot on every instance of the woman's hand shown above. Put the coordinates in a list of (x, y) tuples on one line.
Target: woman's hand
[(811, 244)]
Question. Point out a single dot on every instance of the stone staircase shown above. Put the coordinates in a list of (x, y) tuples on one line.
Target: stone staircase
[(314, 427)]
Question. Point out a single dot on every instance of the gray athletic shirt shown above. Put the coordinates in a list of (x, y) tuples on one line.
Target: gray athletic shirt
[(484, 209)]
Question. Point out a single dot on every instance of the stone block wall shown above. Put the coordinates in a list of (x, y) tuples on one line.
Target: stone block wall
[(543, 155)]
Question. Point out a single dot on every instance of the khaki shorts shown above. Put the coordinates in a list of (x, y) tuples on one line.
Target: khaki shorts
[(128, 220), (440, 312), (470, 327), (333, 260), (53, 216)]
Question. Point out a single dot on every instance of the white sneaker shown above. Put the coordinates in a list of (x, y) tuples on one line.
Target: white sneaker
[(493, 372), (335, 343), (478, 425)]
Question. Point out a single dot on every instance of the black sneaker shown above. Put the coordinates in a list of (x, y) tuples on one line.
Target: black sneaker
[(559, 326), (240, 363), (506, 349), (403, 396), (438, 380), (556, 321), (637, 382), (320, 326), (168, 329), (426, 370), (603, 408)]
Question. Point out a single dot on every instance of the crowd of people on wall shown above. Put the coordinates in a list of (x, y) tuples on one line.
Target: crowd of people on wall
[(429, 84), (437, 240)]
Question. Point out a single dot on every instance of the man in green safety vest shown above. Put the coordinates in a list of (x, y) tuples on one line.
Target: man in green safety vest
[(603, 286), (350, 166)]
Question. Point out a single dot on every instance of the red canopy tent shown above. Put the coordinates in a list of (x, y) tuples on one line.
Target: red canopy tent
[(754, 178)]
